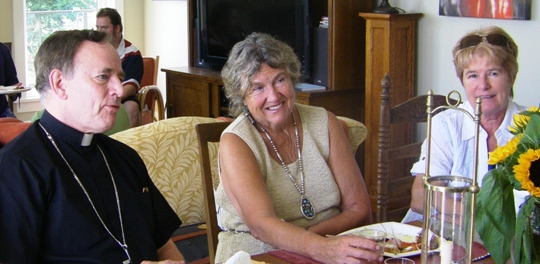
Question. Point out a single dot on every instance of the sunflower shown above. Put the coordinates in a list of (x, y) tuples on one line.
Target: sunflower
[(521, 120), (517, 168), (502, 152), (527, 171)]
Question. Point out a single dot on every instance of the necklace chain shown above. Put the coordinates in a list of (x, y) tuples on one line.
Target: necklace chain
[(307, 208), (122, 244)]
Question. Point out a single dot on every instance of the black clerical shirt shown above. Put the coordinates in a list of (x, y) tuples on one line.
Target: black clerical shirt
[(46, 217)]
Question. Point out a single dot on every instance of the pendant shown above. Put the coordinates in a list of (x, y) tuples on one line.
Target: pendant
[(307, 208), (125, 248)]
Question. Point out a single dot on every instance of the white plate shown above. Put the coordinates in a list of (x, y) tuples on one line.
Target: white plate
[(404, 232), (11, 89)]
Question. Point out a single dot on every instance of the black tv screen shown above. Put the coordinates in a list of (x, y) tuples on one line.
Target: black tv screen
[(222, 23)]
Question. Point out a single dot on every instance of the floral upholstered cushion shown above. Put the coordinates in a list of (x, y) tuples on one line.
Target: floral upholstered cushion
[(356, 132), (170, 151)]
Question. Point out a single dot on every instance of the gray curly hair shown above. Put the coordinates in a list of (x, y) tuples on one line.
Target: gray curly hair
[(245, 60)]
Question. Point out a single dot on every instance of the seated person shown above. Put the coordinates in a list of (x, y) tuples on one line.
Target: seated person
[(109, 21), (486, 63), (68, 193), (288, 176), (8, 77)]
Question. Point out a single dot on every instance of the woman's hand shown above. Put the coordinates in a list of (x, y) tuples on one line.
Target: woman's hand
[(348, 249)]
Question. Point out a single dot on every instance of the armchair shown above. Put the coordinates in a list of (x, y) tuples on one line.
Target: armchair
[(150, 98)]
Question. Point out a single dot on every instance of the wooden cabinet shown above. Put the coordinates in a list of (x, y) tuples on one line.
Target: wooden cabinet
[(390, 48), (346, 35), (195, 91), (341, 102)]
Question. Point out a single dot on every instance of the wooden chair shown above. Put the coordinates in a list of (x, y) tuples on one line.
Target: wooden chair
[(10, 128), (210, 133), (150, 98), (151, 67), (152, 104), (394, 181)]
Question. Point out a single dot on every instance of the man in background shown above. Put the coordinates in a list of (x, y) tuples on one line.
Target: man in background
[(8, 77), (109, 21)]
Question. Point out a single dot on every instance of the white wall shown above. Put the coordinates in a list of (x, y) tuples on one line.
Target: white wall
[(166, 34), (6, 21), (132, 14), (437, 35)]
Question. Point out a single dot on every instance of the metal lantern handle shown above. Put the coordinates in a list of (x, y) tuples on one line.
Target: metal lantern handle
[(473, 189)]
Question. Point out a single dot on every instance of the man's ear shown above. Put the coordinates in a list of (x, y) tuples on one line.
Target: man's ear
[(117, 30), (57, 83)]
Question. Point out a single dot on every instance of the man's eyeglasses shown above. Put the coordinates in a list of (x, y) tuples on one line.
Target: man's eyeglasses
[(493, 39)]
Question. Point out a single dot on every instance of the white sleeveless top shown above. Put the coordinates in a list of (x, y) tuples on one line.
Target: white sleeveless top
[(320, 186)]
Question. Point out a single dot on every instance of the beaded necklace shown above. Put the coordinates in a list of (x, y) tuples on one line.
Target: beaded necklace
[(122, 244), (306, 207)]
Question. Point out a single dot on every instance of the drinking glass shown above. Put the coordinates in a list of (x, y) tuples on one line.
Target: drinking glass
[(375, 235), (398, 261)]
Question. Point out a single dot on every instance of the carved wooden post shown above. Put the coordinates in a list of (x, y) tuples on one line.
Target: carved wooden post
[(384, 146)]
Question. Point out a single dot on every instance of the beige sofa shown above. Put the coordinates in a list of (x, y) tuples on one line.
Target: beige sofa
[(169, 149)]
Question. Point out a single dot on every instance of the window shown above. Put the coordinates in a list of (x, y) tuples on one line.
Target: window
[(35, 20)]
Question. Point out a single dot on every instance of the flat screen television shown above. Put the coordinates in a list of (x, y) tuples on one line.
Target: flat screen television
[(222, 23)]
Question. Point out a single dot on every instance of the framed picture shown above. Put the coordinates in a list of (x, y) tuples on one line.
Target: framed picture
[(500, 9)]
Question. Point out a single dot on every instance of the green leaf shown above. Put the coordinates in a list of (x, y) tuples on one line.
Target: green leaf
[(523, 245), (531, 137), (496, 226)]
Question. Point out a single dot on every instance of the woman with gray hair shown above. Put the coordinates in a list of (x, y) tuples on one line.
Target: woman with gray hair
[(288, 175)]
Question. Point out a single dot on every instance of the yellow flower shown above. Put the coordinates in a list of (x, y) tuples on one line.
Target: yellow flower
[(522, 171), (502, 152), (519, 123), (520, 120), (534, 109)]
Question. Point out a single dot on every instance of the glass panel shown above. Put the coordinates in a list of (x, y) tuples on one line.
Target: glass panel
[(43, 17)]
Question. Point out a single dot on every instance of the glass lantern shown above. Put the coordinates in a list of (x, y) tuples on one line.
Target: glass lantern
[(448, 227)]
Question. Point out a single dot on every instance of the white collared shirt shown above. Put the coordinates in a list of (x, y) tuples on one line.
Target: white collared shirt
[(452, 148)]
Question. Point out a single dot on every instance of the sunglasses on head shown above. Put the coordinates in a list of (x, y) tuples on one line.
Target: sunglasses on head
[(493, 39)]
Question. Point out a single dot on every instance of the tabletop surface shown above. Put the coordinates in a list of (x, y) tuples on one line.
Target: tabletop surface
[(286, 257)]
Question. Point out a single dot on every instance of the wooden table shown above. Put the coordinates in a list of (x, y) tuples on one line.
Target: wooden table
[(286, 257)]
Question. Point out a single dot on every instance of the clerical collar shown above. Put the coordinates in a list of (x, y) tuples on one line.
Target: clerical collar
[(65, 132), (87, 140)]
